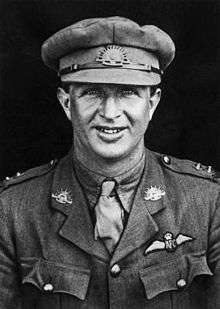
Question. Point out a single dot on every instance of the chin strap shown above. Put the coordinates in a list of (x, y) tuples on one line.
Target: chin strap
[(106, 64)]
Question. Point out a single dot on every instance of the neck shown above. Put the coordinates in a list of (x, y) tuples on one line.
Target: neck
[(110, 167)]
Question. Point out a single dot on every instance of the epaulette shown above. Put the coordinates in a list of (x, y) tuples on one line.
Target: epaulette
[(31, 173), (189, 167)]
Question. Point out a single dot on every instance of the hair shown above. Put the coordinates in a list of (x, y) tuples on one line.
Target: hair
[(154, 88), (65, 86)]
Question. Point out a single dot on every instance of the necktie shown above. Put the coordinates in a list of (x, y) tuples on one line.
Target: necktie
[(109, 217)]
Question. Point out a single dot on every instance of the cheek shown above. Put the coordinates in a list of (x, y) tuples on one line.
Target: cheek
[(140, 115), (78, 114), (81, 123), (83, 113)]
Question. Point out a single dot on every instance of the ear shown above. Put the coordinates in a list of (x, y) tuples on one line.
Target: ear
[(64, 99), (154, 100)]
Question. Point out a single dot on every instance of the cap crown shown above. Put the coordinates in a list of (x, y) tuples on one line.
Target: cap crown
[(95, 32)]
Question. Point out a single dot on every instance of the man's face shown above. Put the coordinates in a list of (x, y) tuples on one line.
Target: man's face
[(110, 120)]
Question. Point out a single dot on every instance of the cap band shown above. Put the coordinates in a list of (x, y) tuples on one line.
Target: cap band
[(117, 64)]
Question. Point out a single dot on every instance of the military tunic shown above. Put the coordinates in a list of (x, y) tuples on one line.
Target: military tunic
[(49, 258)]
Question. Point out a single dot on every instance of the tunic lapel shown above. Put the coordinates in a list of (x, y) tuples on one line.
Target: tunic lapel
[(78, 227), (141, 226)]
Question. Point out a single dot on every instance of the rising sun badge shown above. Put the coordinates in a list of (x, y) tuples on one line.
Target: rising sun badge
[(63, 197), (153, 193), (113, 55)]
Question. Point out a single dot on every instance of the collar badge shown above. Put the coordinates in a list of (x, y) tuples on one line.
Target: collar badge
[(113, 55), (153, 193), (63, 197), (169, 242)]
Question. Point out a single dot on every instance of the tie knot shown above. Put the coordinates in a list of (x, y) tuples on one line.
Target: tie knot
[(107, 187)]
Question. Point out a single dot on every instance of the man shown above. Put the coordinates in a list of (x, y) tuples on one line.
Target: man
[(111, 225)]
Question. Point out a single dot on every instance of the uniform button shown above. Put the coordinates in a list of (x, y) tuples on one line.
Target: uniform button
[(48, 287), (115, 270), (181, 283), (166, 160)]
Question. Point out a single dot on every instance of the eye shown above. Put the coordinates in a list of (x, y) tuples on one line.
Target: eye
[(92, 92), (128, 91)]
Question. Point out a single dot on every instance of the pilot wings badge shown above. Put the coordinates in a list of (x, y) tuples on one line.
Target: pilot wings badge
[(169, 243), (63, 197)]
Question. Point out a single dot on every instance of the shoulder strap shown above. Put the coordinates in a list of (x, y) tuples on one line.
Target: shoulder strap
[(31, 173), (189, 167)]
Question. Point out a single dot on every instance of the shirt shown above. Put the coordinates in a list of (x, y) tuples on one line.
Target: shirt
[(127, 183)]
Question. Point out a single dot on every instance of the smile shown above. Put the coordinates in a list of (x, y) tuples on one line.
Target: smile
[(108, 130)]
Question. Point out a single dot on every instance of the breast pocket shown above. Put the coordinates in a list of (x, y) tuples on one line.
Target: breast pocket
[(176, 276), (53, 278)]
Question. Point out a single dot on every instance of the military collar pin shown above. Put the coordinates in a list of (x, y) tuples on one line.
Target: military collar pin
[(153, 193), (63, 197), (168, 243)]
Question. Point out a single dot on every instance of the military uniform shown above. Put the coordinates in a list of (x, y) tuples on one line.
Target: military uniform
[(166, 254), (49, 258)]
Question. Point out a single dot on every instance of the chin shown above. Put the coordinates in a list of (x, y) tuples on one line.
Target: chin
[(111, 154)]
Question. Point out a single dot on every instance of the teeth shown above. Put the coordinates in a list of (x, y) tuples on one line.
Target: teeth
[(110, 131)]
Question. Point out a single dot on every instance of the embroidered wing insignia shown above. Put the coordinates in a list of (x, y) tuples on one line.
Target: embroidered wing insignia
[(182, 238), (169, 243), (156, 245)]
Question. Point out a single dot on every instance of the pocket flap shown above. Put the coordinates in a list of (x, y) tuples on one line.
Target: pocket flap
[(168, 276), (62, 278), (197, 266)]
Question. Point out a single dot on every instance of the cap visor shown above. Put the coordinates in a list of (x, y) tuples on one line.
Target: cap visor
[(113, 76)]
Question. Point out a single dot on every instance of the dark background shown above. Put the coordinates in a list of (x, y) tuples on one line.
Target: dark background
[(33, 128)]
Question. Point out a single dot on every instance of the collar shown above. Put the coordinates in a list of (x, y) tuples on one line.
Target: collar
[(127, 182)]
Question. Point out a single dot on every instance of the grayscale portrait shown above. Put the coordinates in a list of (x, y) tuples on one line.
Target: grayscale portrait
[(112, 197)]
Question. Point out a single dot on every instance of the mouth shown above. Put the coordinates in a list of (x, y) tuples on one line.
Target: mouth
[(110, 130), (110, 134)]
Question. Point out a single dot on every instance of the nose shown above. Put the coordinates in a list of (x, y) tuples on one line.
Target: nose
[(110, 108)]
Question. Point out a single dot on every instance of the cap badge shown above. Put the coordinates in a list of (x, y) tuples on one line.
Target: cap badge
[(63, 197), (113, 55), (169, 243), (153, 193)]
